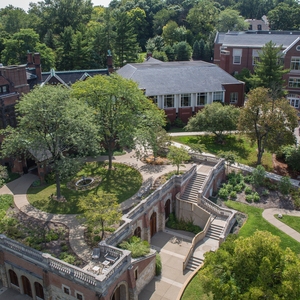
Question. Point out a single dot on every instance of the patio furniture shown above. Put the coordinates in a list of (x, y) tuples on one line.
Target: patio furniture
[(110, 258)]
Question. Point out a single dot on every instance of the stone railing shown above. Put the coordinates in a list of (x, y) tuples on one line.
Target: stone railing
[(197, 238), (215, 208), (229, 223), (203, 157)]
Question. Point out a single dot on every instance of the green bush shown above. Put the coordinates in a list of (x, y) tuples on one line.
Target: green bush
[(248, 190), (256, 197), (174, 223), (179, 123), (249, 198), (97, 238), (6, 201), (50, 178), (158, 265), (51, 236), (136, 246), (68, 258), (229, 187), (233, 194), (265, 192), (64, 248), (258, 175), (248, 179), (223, 193), (285, 185), (296, 198), (239, 187)]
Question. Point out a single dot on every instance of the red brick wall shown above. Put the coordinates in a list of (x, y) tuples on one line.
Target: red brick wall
[(239, 88), (184, 113), (171, 114)]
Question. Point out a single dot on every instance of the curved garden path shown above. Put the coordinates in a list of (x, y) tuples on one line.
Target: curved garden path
[(18, 188)]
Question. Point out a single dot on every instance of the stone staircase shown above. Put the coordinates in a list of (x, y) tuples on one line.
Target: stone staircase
[(214, 231), (194, 263), (195, 184)]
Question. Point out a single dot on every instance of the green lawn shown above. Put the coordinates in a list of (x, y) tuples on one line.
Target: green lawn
[(255, 222), (194, 291), (124, 182), (243, 147), (293, 222)]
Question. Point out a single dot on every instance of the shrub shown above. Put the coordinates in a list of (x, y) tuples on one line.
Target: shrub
[(233, 194), (50, 178), (223, 193), (258, 175), (249, 198), (256, 197), (248, 179), (6, 201), (97, 238), (64, 248), (51, 236), (239, 187), (265, 192), (296, 198), (182, 224), (68, 258), (158, 265), (285, 185), (136, 246), (248, 190), (229, 187), (179, 123)]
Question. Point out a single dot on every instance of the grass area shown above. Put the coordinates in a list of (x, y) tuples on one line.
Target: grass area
[(177, 129), (256, 221), (293, 222), (195, 291), (124, 181), (243, 147)]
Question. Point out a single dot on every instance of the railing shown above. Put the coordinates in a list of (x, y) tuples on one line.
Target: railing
[(214, 208), (203, 157), (197, 238), (228, 225), (20, 248)]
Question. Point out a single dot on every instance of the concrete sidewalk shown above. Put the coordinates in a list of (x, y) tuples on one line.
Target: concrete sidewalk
[(269, 213)]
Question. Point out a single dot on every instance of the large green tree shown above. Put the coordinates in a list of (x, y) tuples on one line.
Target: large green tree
[(177, 156), (268, 122), (269, 70), (215, 118), (251, 268), (101, 209), (52, 127), (230, 19), (121, 110)]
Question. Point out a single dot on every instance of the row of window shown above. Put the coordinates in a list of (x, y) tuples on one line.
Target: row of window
[(294, 100), (4, 89), (185, 99), (67, 291)]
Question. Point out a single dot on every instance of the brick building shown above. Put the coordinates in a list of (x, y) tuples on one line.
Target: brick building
[(234, 51), (182, 88)]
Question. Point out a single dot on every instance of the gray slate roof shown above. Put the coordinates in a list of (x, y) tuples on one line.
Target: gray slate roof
[(255, 40), (164, 78)]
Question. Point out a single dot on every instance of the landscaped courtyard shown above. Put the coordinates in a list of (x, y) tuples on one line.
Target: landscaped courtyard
[(123, 181)]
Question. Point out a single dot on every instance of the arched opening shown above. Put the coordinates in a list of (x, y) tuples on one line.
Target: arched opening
[(26, 286), (167, 209), (39, 291), (120, 293), (153, 224), (13, 278), (138, 232)]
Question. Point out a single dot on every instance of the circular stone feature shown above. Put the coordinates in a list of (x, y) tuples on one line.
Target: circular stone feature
[(85, 181)]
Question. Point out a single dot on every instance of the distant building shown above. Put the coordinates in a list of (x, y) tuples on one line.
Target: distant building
[(183, 88), (255, 24), (234, 51)]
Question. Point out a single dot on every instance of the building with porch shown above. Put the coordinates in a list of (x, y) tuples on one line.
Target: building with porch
[(183, 88)]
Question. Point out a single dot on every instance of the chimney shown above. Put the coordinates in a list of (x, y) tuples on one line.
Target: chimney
[(109, 62), (37, 65), (29, 60)]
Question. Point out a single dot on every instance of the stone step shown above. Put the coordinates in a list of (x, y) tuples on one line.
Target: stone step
[(194, 263)]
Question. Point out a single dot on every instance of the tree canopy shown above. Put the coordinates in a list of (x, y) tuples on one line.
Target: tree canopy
[(52, 127), (268, 122), (215, 118), (121, 110), (251, 268)]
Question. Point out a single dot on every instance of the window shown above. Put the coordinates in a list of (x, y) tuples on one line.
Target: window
[(234, 97), (201, 99), (154, 99), (237, 55), (13, 278), (258, 27), (65, 289), (250, 27), (186, 100), (168, 101), (295, 63), (294, 100), (136, 274), (218, 96), (294, 82), (79, 296), (255, 56), (39, 291), (4, 89)]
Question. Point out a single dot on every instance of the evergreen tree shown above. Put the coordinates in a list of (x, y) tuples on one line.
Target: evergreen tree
[(269, 70), (201, 48), (170, 52), (196, 51), (183, 51)]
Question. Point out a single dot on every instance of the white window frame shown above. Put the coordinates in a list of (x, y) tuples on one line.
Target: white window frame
[(255, 56), (216, 96), (234, 96), (184, 97), (294, 82), (64, 287), (294, 100), (154, 99), (169, 98), (199, 95), (237, 56), (295, 63)]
